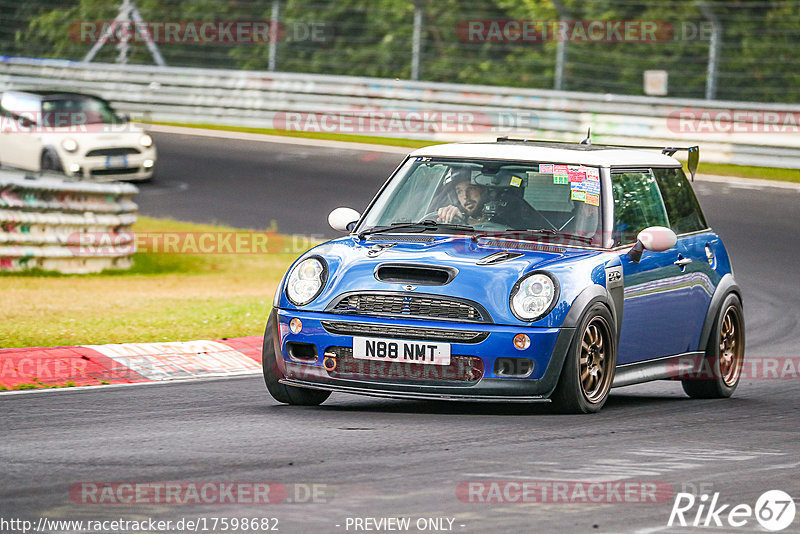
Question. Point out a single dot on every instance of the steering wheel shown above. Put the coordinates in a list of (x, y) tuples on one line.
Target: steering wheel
[(434, 216)]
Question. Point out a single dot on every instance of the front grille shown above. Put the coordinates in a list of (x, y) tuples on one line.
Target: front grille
[(110, 172), (463, 370), (407, 305), (404, 332), (119, 151)]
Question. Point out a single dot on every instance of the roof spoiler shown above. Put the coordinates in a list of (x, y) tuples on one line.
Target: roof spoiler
[(693, 151)]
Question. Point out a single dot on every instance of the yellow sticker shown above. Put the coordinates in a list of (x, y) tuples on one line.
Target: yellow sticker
[(516, 181), (578, 195)]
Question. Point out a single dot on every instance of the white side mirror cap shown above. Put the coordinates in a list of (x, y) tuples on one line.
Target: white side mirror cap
[(657, 238), (342, 217)]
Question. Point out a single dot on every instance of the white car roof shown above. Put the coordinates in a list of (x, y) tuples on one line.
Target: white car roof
[(594, 155)]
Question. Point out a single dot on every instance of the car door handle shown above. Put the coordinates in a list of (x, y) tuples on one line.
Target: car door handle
[(682, 262)]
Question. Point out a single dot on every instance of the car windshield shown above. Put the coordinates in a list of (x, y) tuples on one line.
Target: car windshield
[(491, 197), (77, 110)]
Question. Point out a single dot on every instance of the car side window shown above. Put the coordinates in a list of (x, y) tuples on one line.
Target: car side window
[(637, 204), (684, 211)]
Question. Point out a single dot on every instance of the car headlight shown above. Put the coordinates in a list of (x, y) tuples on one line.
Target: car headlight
[(306, 280), (146, 141), (69, 144), (533, 296)]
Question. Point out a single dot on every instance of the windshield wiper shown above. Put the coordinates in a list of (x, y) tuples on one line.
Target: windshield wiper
[(538, 233), (422, 226)]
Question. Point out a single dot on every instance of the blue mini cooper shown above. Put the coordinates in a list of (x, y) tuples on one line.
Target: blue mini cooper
[(513, 271)]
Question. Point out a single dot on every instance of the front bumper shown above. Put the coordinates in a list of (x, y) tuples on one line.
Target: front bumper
[(104, 168), (471, 376)]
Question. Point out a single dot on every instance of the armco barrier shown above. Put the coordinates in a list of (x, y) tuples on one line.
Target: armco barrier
[(42, 220), (126, 363), (744, 133)]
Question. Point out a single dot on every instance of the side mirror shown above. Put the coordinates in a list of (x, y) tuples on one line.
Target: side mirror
[(342, 219), (655, 238)]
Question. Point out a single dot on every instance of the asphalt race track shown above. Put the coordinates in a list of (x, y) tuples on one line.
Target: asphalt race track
[(369, 458)]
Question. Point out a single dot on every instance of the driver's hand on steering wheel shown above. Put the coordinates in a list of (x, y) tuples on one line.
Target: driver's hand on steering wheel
[(448, 214)]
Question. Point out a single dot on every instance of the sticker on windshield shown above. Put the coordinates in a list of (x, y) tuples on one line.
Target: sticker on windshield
[(590, 186), (577, 194), (546, 168), (557, 179), (592, 173), (576, 174), (591, 198), (516, 181)]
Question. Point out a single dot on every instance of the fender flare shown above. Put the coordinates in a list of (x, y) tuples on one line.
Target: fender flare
[(588, 297), (725, 287), (50, 149)]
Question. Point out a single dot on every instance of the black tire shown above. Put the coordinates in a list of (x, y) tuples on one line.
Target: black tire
[(281, 392), (589, 366), (50, 161), (724, 355)]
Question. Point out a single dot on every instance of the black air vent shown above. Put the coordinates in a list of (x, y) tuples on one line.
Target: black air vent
[(523, 246), (420, 275), (498, 257), (403, 238)]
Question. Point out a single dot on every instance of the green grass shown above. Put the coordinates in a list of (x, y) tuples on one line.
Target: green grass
[(721, 169), (164, 297), (742, 171), (38, 385)]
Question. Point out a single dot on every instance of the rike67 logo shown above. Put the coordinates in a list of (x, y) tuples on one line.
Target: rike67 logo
[(774, 511)]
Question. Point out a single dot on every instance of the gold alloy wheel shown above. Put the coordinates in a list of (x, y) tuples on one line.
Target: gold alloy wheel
[(731, 348), (595, 375)]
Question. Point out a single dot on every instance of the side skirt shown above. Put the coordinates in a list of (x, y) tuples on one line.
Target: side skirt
[(669, 367)]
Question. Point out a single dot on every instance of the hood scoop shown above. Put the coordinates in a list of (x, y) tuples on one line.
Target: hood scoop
[(421, 275), (498, 257)]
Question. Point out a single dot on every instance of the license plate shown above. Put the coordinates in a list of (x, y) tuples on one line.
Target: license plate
[(395, 350), (116, 162)]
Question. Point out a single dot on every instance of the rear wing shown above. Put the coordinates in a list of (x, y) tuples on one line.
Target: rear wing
[(693, 152)]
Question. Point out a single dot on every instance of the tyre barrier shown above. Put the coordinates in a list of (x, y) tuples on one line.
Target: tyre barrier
[(57, 224)]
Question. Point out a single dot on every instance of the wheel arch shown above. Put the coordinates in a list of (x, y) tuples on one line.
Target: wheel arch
[(52, 152), (726, 286), (591, 295)]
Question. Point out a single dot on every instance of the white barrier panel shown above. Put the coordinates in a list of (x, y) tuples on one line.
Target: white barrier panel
[(745, 133), (44, 222)]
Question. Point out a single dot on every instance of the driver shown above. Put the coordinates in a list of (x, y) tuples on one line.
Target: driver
[(471, 200)]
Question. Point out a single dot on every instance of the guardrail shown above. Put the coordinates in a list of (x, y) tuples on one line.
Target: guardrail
[(743, 133), (45, 223)]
